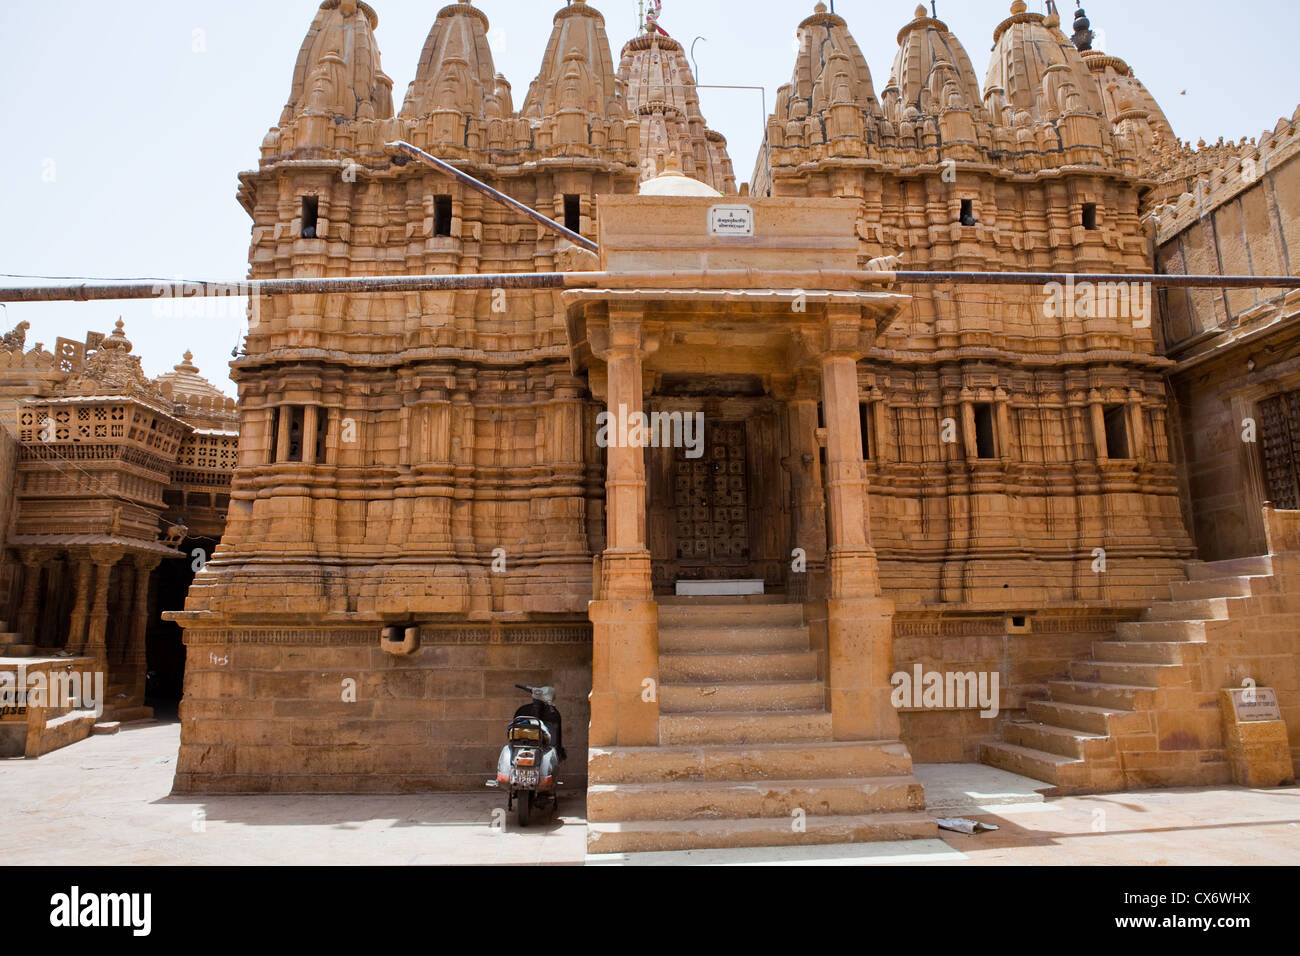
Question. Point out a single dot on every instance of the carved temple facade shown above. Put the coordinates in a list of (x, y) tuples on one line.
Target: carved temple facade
[(955, 478)]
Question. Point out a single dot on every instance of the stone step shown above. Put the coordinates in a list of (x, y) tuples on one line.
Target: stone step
[(808, 760), (1254, 566), (18, 650), (1064, 741), (1218, 588), (744, 728), (106, 727), (1141, 652), (70, 717), (732, 640), (125, 715), (1097, 694), (1205, 609), (741, 697), (1038, 764), (1139, 674), (650, 835), (1186, 631), (683, 613), (1092, 720), (748, 799), (770, 666)]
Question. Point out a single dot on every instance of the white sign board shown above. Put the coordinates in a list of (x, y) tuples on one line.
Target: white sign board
[(1262, 707), (731, 221)]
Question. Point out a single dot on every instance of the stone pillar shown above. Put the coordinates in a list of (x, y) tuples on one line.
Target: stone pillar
[(852, 559), (627, 556), (104, 560), (283, 420), (80, 602), (805, 468), (625, 664), (134, 655), (1137, 438), (1098, 418), (34, 560), (310, 418), (859, 621)]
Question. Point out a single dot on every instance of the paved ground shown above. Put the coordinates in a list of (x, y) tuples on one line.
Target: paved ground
[(106, 801)]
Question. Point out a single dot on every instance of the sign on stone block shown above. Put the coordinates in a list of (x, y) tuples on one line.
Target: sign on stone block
[(1262, 705), (731, 221)]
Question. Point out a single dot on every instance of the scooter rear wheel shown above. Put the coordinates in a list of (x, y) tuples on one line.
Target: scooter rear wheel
[(523, 807)]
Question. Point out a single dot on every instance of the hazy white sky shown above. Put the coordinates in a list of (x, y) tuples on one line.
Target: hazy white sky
[(125, 124)]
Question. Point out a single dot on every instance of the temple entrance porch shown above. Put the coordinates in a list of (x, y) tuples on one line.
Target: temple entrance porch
[(738, 693)]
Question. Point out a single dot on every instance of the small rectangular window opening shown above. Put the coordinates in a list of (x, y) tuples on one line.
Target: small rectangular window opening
[(310, 215), (442, 215), (985, 447), (864, 423), (573, 212), (295, 432), (1090, 215), (968, 212), (1116, 432)]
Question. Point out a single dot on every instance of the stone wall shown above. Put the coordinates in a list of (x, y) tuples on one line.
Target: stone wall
[(1025, 657), (265, 710), (1233, 347), (10, 570)]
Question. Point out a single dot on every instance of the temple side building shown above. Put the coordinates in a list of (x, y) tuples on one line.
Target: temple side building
[(113, 486)]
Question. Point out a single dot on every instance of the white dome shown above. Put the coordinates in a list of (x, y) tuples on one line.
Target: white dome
[(673, 182)]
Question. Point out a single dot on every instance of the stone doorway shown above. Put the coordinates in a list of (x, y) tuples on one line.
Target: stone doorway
[(711, 506), (720, 511)]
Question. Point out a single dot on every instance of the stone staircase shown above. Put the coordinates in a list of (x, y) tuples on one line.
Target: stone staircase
[(120, 708), (746, 755), (12, 644), (1103, 727)]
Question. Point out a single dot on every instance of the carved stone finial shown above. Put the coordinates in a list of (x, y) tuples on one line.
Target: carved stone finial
[(118, 340), (1083, 36), (15, 339)]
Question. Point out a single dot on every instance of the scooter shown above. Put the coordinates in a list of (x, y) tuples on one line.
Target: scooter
[(531, 757)]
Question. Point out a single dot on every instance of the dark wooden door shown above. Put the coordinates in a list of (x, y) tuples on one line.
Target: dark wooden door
[(1279, 443), (711, 504)]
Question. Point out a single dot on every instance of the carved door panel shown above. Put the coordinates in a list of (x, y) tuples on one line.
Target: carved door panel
[(711, 503), (1279, 444)]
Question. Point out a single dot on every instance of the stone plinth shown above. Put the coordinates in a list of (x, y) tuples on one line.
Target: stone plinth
[(1258, 750), (625, 655)]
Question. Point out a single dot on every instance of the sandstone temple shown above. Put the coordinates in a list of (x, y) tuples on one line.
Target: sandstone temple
[(1093, 498)]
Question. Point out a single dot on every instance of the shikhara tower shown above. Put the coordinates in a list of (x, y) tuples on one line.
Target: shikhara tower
[(945, 466)]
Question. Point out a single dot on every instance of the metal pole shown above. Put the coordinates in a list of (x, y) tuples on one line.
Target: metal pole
[(1045, 278), (400, 148), (108, 289), (90, 292)]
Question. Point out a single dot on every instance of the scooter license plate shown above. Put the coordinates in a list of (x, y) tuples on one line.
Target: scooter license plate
[(527, 778)]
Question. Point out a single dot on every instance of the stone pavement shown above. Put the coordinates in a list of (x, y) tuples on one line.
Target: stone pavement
[(106, 800)]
